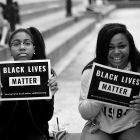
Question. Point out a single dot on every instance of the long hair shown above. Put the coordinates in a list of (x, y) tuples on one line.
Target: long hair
[(39, 44), (104, 37)]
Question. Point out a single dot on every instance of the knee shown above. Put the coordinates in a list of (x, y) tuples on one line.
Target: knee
[(97, 135)]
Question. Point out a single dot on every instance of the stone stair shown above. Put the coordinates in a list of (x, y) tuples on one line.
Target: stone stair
[(61, 33), (34, 10)]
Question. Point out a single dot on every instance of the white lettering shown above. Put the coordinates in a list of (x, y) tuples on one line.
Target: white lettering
[(36, 68), (13, 69), (107, 75)]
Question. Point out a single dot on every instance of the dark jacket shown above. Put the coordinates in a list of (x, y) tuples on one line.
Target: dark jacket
[(25, 117)]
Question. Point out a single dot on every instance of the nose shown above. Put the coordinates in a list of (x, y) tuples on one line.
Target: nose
[(116, 51), (22, 46)]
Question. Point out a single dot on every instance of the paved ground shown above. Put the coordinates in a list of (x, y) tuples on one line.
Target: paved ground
[(66, 100)]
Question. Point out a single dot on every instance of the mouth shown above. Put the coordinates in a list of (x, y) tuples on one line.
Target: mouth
[(22, 54), (117, 59)]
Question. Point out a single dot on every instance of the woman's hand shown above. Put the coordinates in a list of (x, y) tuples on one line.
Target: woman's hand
[(135, 104), (52, 83)]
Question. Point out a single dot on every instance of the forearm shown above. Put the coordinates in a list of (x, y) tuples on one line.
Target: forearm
[(88, 108)]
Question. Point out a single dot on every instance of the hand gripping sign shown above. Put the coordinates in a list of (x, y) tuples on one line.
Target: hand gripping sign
[(113, 86), (25, 80)]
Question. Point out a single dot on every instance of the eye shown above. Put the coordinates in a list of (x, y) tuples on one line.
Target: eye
[(15, 44), (122, 46), (28, 43), (111, 47)]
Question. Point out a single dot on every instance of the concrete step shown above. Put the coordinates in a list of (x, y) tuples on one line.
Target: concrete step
[(62, 51), (61, 43), (126, 4), (63, 40), (44, 8), (62, 33), (55, 22), (35, 5), (46, 22)]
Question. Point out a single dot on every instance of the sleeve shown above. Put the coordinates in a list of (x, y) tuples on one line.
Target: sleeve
[(88, 108), (42, 110), (47, 108)]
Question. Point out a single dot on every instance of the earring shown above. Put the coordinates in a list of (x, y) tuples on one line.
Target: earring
[(34, 53)]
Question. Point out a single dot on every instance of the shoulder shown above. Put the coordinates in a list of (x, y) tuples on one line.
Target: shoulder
[(138, 69), (86, 74), (89, 65)]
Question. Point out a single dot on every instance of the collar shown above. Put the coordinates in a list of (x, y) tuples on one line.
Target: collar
[(128, 67)]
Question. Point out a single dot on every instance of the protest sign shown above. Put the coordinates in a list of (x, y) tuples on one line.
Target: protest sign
[(25, 80), (113, 86)]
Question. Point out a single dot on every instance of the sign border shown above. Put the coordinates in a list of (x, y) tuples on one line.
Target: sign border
[(29, 98), (111, 68)]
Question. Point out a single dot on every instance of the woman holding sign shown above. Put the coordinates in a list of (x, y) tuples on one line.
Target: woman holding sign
[(27, 119), (115, 48)]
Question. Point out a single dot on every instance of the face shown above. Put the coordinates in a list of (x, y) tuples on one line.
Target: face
[(22, 47), (118, 55)]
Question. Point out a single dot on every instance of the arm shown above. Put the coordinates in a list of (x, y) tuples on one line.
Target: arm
[(135, 103), (88, 109), (53, 84), (5, 31), (42, 110), (46, 107)]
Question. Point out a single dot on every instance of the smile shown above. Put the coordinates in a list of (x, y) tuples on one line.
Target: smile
[(117, 59), (22, 54)]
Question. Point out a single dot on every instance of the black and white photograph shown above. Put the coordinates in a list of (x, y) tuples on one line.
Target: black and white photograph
[(90, 90)]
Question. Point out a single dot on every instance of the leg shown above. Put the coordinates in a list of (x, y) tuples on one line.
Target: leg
[(132, 133), (98, 135), (32, 136)]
